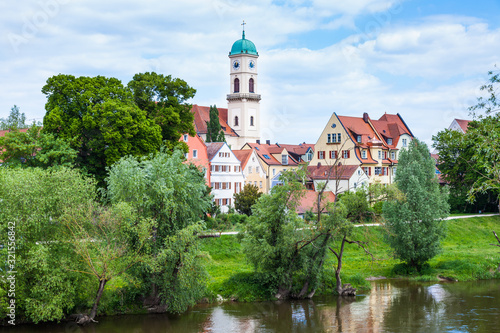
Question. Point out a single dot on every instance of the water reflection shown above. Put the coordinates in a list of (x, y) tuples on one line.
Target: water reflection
[(391, 306)]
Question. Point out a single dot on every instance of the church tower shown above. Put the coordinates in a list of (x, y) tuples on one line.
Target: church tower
[(243, 106)]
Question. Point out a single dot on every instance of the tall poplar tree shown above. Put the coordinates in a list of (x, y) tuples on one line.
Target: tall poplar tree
[(415, 223), (214, 130)]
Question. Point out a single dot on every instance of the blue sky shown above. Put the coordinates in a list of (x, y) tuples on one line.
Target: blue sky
[(423, 59)]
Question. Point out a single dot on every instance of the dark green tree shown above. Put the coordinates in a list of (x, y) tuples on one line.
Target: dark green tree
[(246, 198), (99, 118), (415, 224), (214, 130), (461, 171), (164, 100), (16, 120)]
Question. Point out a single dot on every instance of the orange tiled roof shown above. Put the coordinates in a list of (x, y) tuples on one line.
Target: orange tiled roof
[(357, 126), (337, 172), (243, 156), (266, 152), (309, 201), (202, 115), (391, 126), (464, 124)]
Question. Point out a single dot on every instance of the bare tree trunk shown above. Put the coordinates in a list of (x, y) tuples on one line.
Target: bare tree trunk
[(102, 284)]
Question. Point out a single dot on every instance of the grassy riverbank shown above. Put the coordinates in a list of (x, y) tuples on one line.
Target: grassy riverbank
[(466, 256)]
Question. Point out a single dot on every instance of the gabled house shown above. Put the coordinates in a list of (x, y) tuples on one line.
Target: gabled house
[(373, 145), (202, 116), (274, 158), (226, 176), (336, 179), (309, 202), (253, 170), (460, 125)]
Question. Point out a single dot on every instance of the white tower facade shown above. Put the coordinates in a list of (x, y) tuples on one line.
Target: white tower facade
[(243, 101)]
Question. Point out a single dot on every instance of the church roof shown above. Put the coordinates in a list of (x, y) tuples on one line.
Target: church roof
[(202, 115), (243, 46)]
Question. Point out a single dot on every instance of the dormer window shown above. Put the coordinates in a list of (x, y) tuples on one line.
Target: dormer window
[(251, 85), (284, 159), (363, 154), (389, 141), (236, 85), (358, 138)]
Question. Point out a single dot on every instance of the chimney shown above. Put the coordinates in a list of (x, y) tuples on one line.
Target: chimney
[(365, 117), (258, 142), (318, 166), (278, 145), (268, 142)]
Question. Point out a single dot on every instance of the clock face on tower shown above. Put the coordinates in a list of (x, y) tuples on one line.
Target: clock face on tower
[(251, 65), (236, 64)]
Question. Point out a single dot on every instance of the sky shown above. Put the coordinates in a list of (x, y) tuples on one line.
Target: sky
[(425, 60)]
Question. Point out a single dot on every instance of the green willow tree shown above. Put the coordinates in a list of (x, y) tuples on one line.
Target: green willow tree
[(33, 200), (415, 224), (214, 129), (174, 195)]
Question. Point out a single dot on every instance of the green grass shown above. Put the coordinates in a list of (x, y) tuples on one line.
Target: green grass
[(466, 256)]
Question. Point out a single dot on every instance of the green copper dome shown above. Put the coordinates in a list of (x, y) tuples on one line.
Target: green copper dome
[(243, 46)]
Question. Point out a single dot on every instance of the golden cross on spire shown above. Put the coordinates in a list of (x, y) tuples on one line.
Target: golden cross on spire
[(243, 24)]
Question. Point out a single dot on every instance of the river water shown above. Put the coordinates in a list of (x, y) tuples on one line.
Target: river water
[(391, 306)]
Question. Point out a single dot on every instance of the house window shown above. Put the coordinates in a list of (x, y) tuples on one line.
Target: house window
[(379, 154), (274, 172), (185, 138), (284, 159), (309, 156), (329, 139), (186, 155), (236, 122), (236, 85), (358, 138), (249, 169), (260, 184), (378, 171), (367, 171), (394, 171), (405, 143), (363, 154), (393, 155), (345, 154), (333, 154), (338, 137), (255, 184), (195, 153), (389, 141), (251, 120), (257, 169), (321, 155), (251, 85)]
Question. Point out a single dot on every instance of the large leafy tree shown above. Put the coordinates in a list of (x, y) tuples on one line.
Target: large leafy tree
[(174, 195), (461, 171), (214, 129), (415, 224), (99, 118), (164, 100), (34, 148), (32, 202)]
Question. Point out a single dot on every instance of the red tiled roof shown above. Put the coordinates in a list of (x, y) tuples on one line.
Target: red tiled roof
[(202, 115), (357, 126), (299, 149), (310, 200), (464, 124), (337, 172), (269, 150), (391, 126), (243, 156), (213, 148)]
